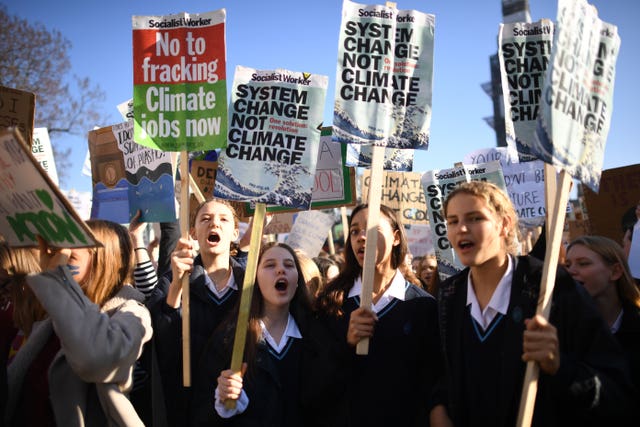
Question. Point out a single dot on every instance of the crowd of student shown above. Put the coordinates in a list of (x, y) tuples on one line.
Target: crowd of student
[(77, 325)]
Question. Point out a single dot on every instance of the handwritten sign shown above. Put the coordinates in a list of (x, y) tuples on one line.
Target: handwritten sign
[(17, 109), (31, 204), (402, 192), (310, 231)]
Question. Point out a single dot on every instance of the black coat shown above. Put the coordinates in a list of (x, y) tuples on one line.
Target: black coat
[(398, 381), (319, 374), (205, 316), (629, 338), (591, 386)]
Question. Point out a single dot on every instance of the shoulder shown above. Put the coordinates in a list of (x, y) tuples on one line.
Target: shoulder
[(412, 291), (448, 286), (127, 299), (237, 268)]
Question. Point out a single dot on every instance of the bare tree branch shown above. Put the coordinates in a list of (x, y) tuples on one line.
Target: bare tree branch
[(36, 59)]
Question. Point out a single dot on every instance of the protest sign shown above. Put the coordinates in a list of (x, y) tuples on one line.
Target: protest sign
[(126, 110), (309, 231), (437, 185), (334, 183), (179, 76), (619, 191), (384, 76), (110, 186), (577, 95), (402, 192), (524, 51), (505, 155), (571, 133), (128, 177), (17, 109), (419, 239), (43, 152), (280, 223), (81, 202), (525, 185), (31, 204), (395, 159), (150, 176), (578, 228), (274, 136)]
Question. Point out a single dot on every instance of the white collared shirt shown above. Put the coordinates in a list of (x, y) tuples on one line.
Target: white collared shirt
[(395, 290), (499, 302), (291, 331), (231, 283)]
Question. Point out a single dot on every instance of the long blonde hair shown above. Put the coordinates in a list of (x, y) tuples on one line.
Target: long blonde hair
[(112, 263)]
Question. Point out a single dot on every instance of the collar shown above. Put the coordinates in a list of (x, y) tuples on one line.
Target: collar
[(291, 331), (231, 284), (616, 325), (395, 290), (499, 302)]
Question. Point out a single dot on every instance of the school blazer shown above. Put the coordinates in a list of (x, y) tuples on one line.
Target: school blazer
[(591, 386)]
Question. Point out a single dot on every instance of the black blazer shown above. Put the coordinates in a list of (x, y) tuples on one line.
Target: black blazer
[(591, 386)]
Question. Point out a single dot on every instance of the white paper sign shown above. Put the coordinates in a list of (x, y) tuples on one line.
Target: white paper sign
[(43, 152), (309, 232)]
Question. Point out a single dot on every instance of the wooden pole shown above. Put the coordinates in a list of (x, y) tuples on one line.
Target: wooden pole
[(247, 292), (184, 232), (332, 247), (554, 240), (195, 190), (373, 219), (345, 225), (550, 188)]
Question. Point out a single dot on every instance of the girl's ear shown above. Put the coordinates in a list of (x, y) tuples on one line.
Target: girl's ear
[(506, 226), (396, 237), (616, 271), (192, 233)]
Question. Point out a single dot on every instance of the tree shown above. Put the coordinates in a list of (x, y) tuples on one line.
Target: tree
[(35, 59)]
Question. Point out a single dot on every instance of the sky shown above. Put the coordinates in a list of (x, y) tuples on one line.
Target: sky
[(304, 37)]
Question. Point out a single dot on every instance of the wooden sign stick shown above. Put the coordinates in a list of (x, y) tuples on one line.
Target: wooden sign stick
[(373, 219), (184, 232), (550, 188), (247, 292), (332, 248), (195, 190), (547, 283), (345, 225)]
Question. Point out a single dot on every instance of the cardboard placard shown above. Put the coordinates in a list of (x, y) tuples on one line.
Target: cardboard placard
[(31, 204)]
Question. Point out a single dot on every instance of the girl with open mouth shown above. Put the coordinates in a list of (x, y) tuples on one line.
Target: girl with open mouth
[(291, 375), (214, 280), (396, 383), (489, 328)]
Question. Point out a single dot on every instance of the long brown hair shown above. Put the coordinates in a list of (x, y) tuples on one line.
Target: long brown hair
[(15, 264), (330, 299), (112, 264), (299, 306), (612, 254)]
